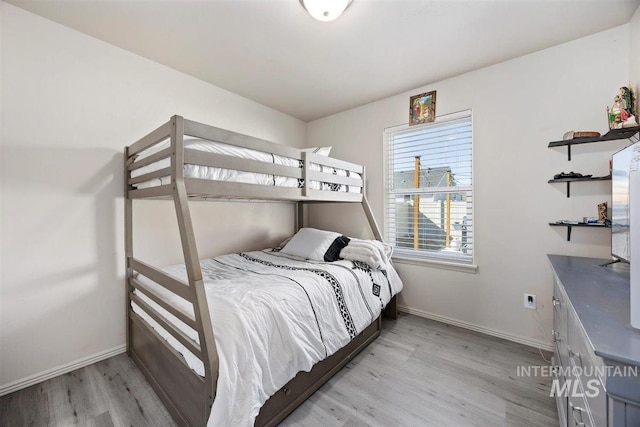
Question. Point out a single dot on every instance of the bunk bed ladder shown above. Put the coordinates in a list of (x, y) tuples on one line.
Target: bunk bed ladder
[(140, 336), (192, 261)]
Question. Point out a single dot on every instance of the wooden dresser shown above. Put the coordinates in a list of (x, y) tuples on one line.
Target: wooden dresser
[(597, 352)]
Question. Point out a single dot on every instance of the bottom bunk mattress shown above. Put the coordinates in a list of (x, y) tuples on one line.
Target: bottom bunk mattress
[(273, 316)]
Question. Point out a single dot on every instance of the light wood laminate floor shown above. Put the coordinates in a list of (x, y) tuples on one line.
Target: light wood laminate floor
[(417, 373)]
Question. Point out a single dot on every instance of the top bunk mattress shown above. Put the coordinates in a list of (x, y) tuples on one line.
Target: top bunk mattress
[(221, 174)]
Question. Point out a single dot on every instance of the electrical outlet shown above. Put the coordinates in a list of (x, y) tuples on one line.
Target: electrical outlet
[(530, 301)]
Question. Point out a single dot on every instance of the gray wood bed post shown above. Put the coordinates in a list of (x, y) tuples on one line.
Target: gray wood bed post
[(367, 209), (128, 245), (392, 308), (299, 215), (305, 192), (192, 261)]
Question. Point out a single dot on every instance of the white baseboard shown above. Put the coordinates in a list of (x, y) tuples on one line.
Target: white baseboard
[(477, 328), (59, 370)]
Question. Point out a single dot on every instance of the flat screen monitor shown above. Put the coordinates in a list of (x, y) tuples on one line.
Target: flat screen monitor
[(620, 218)]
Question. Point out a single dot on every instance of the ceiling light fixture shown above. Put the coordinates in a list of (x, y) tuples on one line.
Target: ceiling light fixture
[(325, 10)]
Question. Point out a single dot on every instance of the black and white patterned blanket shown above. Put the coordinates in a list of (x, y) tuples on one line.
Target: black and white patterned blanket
[(274, 315)]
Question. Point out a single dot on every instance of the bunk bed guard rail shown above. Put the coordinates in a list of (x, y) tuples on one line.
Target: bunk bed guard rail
[(177, 128)]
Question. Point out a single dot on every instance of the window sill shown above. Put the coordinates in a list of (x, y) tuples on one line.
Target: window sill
[(465, 268)]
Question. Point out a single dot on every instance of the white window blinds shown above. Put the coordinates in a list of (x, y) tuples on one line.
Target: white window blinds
[(429, 189)]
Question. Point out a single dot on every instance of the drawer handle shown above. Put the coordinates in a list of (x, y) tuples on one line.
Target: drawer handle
[(556, 301), (556, 336), (579, 424), (287, 392)]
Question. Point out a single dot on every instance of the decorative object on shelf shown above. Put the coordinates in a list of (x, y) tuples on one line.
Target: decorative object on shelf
[(324, 10), (571, 174), (572, 134), (622, 112), (575, 177), (602, 212), (613, 134), (422, 108)]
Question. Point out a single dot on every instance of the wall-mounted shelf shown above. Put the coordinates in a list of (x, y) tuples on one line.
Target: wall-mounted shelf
[(580, 224), (613, 134), (570, 180)]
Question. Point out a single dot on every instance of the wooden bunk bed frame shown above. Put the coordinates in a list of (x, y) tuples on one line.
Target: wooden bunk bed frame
[(188, 396)]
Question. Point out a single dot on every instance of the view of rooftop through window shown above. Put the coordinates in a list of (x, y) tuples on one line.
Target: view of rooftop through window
[(429, 204)]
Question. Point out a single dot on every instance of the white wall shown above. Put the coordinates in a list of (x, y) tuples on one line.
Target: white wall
[(634, 52), (71, 104), (518, 107)]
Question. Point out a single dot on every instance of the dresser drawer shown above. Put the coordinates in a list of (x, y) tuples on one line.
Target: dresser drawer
[(562, 350), (559, 301), (561, 398), (591, 390), (560, 325), (583, 360), (581, 351)]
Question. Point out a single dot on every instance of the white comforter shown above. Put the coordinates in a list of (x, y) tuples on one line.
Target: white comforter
[(274, 315)]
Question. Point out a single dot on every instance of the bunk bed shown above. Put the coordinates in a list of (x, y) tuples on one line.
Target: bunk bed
[(161, 303)]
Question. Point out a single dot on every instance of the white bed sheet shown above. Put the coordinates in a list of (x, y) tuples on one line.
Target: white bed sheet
[(273, 316), (220, 174)]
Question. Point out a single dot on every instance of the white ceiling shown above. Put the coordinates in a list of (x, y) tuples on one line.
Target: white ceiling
[(273, 52)]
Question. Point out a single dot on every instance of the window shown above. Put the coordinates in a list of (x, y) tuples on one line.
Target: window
[(429, 189)]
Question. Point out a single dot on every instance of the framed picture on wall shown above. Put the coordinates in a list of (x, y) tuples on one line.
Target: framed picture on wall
[(422, 108)]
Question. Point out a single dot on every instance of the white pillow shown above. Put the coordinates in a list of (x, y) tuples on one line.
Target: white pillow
[(323, 151), (310, 243)]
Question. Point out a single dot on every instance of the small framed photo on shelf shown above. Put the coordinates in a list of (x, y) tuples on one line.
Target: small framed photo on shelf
[(422, 108), (602, 212)]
